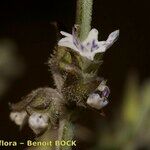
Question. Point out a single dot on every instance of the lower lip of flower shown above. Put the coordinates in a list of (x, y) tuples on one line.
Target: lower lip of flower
[(106, 92)]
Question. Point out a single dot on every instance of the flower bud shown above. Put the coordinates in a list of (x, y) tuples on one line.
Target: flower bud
[(38, 122), (18, 117), (94, 100)]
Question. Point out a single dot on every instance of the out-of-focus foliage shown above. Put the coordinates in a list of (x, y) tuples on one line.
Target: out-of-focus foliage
[(131, 128), (11, 65)]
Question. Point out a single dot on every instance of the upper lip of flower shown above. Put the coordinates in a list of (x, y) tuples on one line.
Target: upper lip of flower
[(90, 46)]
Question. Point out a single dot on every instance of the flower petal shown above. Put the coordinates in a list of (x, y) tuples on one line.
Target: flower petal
[(38, 122), (92, 36), (65, 34), (95, 101), (113, 37), (67, 42), (104, 45), (76, 41)]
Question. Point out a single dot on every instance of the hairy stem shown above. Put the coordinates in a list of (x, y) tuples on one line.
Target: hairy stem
[(66, 133), (84, 17), (49, 136)]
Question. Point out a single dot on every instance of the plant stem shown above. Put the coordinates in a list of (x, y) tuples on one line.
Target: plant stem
[(66, 132), (84, 17), (49, 135)]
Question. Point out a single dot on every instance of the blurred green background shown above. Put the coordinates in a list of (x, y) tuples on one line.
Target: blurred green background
[(27, 37)]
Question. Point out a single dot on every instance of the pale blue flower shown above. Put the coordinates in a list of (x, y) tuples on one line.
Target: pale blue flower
[(90, 46)]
